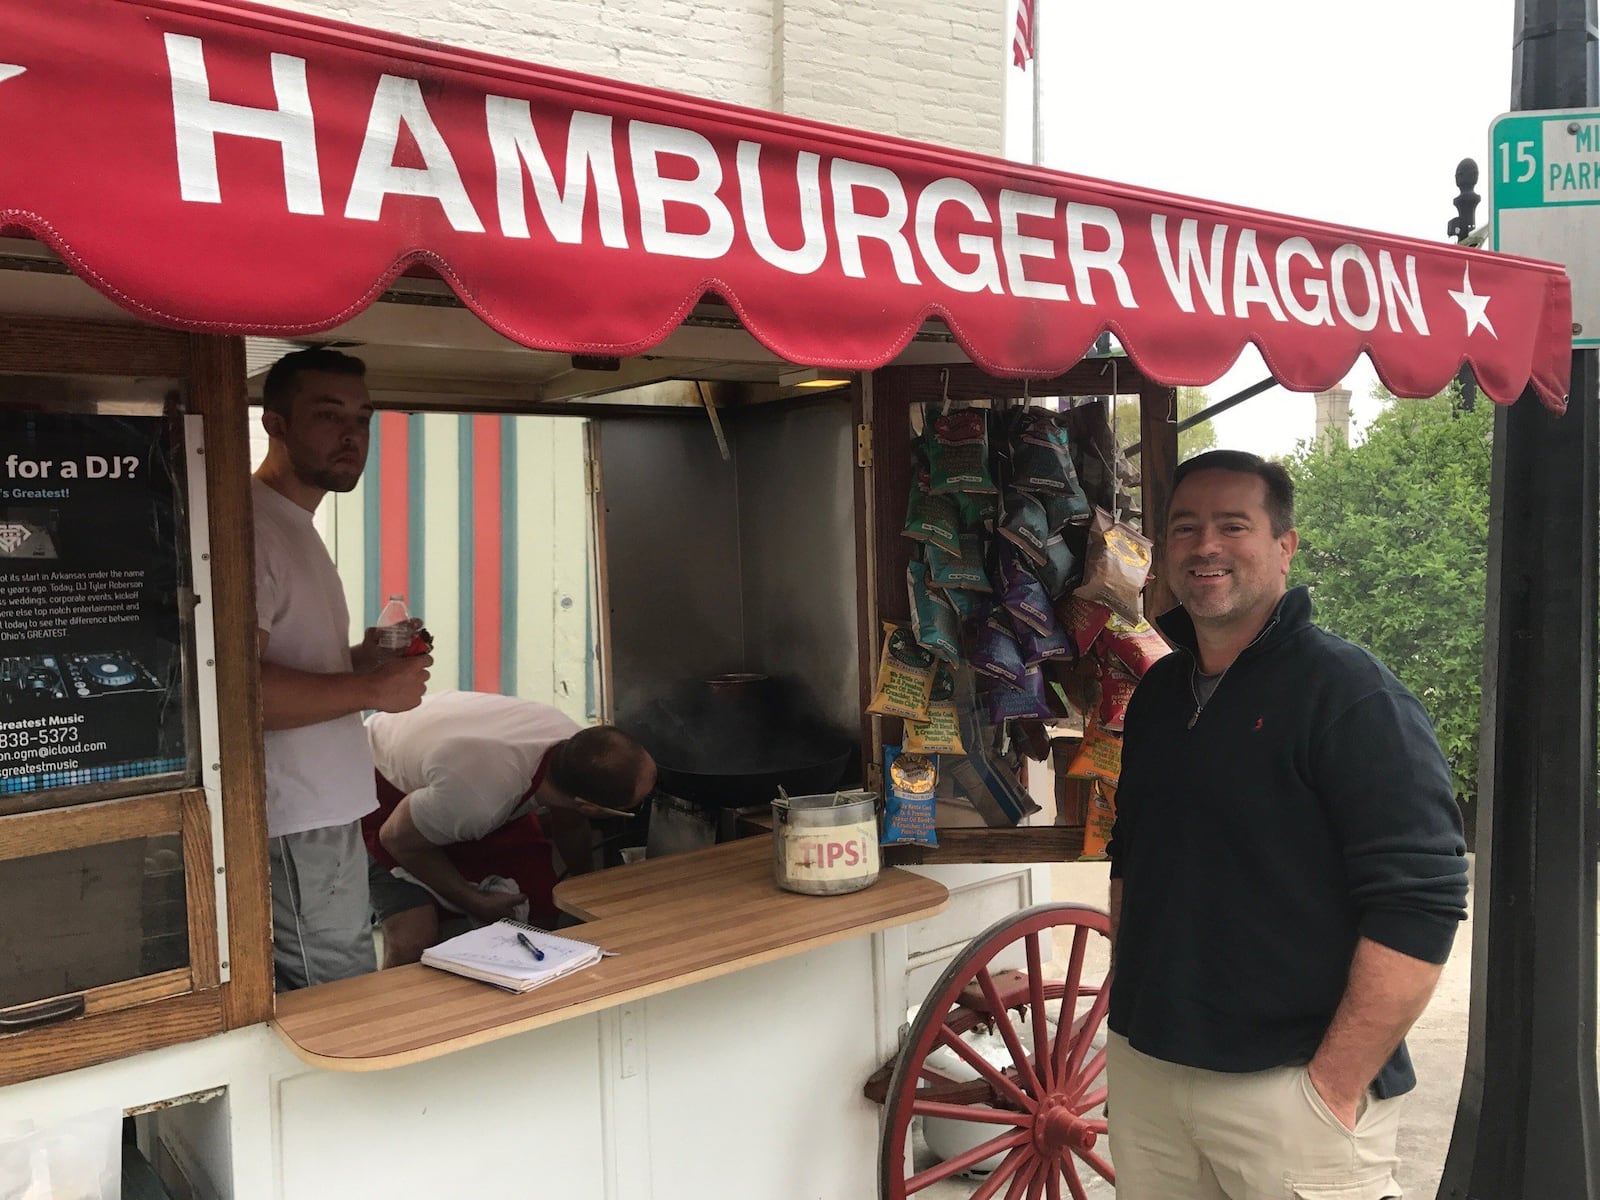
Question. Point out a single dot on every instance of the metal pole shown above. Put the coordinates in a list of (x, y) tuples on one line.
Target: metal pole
[(1527, 1127), (1038, 53)]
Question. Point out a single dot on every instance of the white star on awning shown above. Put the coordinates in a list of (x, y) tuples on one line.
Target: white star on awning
[(10, 71), (1475, 306)]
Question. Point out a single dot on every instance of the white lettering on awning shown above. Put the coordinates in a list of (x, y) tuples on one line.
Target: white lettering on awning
[(648, 144), (852, 226), (589, 156), (1108, 260), (1186, 266), (985, 274), (1251, 284), (1344, 256), (1396, 296), (198, 119), (1016, 245), (1320, 311), (813, 249), (398, 102)]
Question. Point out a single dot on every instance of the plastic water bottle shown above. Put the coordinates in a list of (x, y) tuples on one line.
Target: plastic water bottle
[(394, 626)]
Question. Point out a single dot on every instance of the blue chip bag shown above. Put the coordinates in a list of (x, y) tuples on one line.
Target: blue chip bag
[(910, 785)]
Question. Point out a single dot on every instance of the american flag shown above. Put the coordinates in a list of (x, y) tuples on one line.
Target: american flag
[(1022, 43)]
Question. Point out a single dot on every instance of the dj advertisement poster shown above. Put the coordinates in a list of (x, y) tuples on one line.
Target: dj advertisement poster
[(91, 569)]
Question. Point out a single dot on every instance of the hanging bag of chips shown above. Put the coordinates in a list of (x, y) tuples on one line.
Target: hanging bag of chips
[(905, 676), (1026, 526), (1101, 819), (1100, 755), (1136, 646), (1116, 567), (958, 454), (964, 570), (1084, 620), (934, 620), (932, 519), (941, 732)]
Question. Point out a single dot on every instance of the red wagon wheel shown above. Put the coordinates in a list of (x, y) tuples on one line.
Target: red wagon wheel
[(1040, 1106)]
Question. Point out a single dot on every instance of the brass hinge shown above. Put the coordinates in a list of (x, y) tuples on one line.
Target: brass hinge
[(863, 445)]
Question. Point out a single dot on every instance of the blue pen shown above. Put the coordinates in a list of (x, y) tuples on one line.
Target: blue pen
[(527, 944)]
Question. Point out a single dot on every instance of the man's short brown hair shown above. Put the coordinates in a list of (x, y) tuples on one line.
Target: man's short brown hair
[(283, 380), (1280, 488)]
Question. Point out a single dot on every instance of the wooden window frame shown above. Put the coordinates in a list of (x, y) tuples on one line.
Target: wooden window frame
[(192, 1002)]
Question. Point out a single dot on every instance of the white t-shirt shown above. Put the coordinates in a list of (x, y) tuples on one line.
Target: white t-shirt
[(317, 775), (465, 759)]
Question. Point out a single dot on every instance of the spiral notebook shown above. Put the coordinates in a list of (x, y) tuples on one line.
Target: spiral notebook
[(503, 954)]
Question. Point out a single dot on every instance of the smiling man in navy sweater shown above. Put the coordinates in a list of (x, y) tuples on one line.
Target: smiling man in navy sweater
[(1288, 874)]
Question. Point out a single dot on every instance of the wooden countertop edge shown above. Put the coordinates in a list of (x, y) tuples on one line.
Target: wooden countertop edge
[(540, 1020)]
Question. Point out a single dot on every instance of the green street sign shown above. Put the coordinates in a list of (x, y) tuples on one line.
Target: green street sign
[(1544, 200)]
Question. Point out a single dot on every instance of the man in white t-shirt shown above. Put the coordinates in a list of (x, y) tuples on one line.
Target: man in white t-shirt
[(475, 787), (314, 684)]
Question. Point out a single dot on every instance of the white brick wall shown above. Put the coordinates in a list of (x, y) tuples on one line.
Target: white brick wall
[(933, 70)]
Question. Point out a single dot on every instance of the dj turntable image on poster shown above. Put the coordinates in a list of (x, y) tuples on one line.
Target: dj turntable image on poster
[(92, 567)]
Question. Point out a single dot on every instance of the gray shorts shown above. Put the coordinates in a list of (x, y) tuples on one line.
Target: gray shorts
[(321, 919), (392, 895)]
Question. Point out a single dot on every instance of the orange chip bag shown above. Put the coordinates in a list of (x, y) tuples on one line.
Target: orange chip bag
[(905, 676), (1102, 815), (1137, 647), (1100, 756)]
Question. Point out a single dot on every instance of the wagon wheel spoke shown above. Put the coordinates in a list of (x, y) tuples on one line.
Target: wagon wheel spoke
[(954, 1166), (1006, 1170), (1101, 1167), (1008, 1033), (1093, 1100), (1067, 1013), (1036, 1188), (1023, 1178), (1090, 1072), (980, 1114), (1084, 1034), (1052, 1184), (1036, 1013), (1074, 1184), (981, 1065), (1100, 1127)]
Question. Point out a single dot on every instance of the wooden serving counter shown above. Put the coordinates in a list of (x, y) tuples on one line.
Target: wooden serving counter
[(672, 922)]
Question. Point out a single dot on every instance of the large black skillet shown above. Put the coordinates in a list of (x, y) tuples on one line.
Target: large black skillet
[(734, 740)]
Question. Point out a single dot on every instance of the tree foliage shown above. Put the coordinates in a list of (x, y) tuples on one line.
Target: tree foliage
[(1191, 400), (1393, 545)]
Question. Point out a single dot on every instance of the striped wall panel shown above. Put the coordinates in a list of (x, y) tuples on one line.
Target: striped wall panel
[(482, 523)]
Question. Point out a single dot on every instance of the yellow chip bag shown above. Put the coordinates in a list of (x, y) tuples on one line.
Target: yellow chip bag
[(941, 732), (905, 676), (1100, 756), (1101, 816)]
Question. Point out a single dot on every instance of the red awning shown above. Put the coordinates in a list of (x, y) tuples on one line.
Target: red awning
[(234, 168)]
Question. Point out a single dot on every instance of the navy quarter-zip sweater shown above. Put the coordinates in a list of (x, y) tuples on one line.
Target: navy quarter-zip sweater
[(1306, 806)]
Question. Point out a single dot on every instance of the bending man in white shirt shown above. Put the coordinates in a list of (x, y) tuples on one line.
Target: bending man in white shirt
[(478, 795)]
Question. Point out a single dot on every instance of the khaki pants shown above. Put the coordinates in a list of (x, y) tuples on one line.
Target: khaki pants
[(1179, 1133)]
